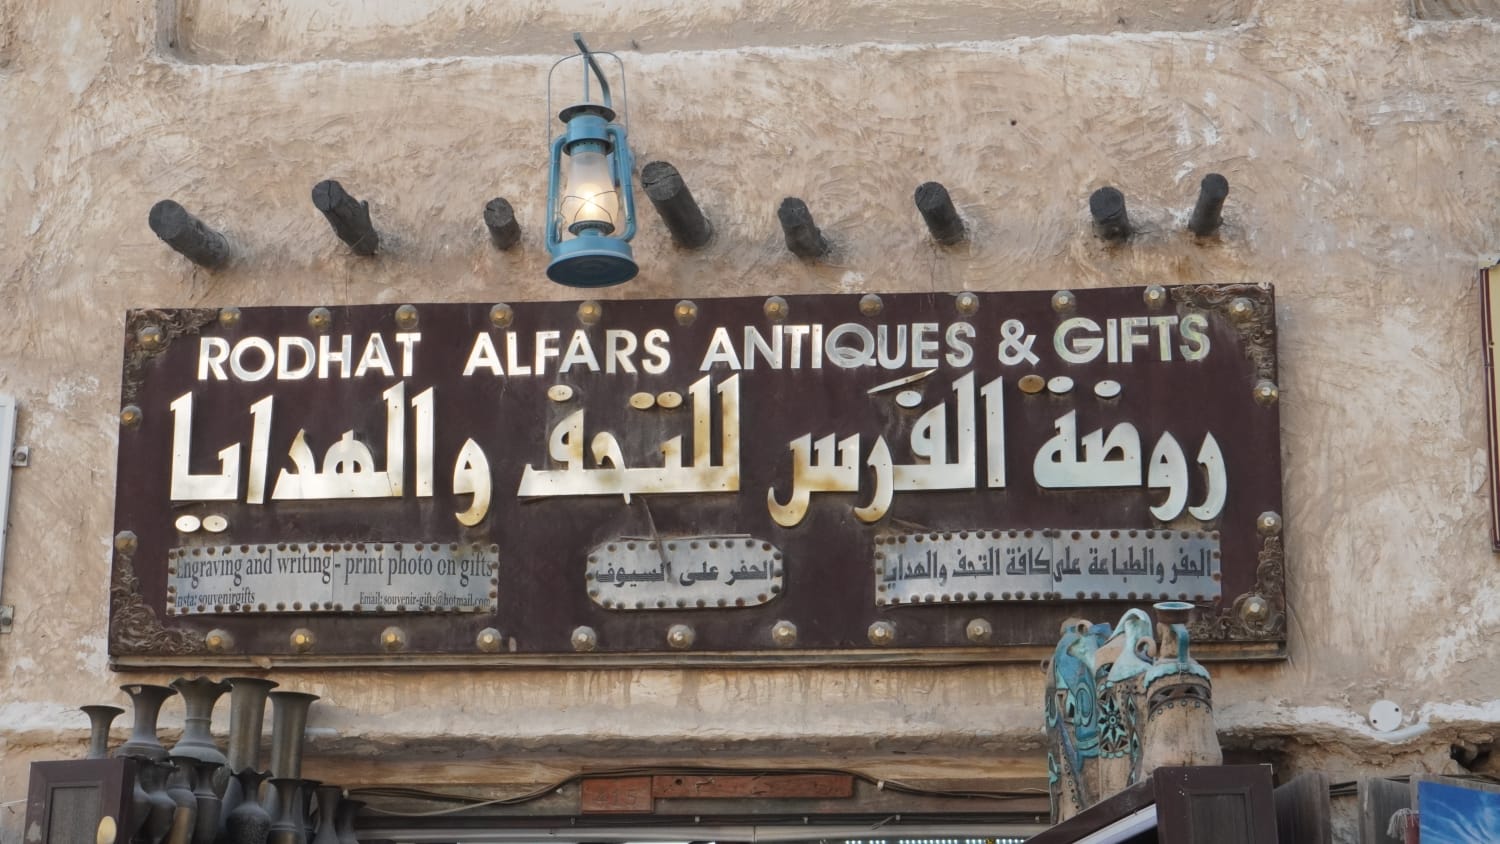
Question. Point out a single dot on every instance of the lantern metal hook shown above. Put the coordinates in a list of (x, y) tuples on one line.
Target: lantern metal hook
[(590, 57), (594, 66)]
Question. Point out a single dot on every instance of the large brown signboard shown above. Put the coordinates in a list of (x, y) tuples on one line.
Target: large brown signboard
[(841, 477)]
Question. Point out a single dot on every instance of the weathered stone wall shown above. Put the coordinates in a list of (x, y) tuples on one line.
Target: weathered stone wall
[(1362, 148)]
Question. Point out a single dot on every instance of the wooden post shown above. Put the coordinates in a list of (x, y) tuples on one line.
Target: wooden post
[(1378, 800), (188, 235), (349, 217), (1303, 815), (500, 219), (675, 203), (802, 235), (938, 212), (69, 801), (1225, 804), (1207, 214), (1111, 222)]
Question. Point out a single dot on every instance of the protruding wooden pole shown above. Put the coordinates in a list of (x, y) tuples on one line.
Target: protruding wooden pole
[(1107, 205), (675, 203), (190, 236), (1208, 213), (500, 219), (802, 235), (349, 217), (938, 212)]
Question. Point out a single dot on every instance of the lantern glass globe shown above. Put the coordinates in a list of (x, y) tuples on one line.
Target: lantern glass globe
[(590, 199)]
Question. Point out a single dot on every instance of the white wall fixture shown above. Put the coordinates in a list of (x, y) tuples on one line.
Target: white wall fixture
[(1385, 716)]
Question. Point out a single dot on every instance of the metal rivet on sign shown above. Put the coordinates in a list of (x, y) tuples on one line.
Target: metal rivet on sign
[(1266, 392), (967, 303), (130, 416), (584, 639), (218, 641), (669, 400), (680, 636), (488, 640), (871, 305), (1155, 296), (150, 337), (1032, 384), (590, 312), (1063, 301), (229, 317), (406, 316), (320, 319), (882, 633), (1241, 309), (502, 315), (978, 631), (1255, 610), (393, 639), (784, 634), (1268, 523), (125, 542), (776, 308), (302, 640), (686, 311)]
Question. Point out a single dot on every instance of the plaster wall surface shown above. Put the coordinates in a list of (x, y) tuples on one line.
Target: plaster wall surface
[(1362, 147), (240, 31)]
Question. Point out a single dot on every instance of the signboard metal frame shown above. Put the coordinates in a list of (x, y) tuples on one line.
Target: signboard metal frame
[(762, 431)]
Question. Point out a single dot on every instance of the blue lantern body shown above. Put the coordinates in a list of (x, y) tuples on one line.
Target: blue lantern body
[(590, 206)]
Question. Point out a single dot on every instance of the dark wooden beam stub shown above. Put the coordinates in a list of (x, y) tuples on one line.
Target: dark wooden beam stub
[(802, 235), (938, 212), (188, 235), (1208, 213), (349, 217), (1107, 205), (500, 219), (674, 202)]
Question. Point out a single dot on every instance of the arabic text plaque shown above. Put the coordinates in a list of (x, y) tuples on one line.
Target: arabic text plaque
[(984, 566)]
